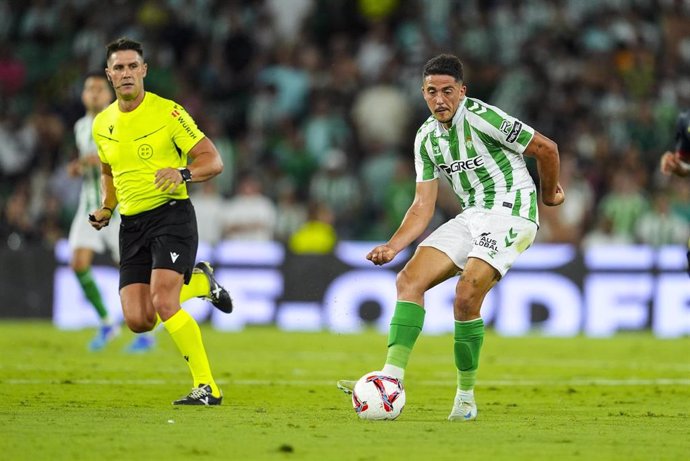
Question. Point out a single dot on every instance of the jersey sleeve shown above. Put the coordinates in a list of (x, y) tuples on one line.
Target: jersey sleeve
[(683, 133), (424, 167), (506, 130), (185, 133)]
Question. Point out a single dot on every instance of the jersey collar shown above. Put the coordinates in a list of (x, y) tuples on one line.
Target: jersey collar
[(136, 109)]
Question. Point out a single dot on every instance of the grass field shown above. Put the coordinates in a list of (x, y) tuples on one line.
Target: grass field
[(626, 398)]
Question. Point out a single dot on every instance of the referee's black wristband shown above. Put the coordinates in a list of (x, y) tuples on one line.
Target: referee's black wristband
[(109, 209)]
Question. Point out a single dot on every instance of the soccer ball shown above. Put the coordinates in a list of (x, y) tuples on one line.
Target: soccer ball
[(378, 396)]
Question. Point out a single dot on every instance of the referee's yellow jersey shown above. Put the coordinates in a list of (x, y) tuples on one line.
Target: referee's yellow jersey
[(157, 134)]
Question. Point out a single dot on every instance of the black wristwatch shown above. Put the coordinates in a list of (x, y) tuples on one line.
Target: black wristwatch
[(186, 174)]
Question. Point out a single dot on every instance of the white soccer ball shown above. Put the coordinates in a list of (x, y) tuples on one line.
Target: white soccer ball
[(378, 396)]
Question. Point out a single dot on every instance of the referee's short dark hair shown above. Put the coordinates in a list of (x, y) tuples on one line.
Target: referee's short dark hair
[(122, 44), (444, 64)]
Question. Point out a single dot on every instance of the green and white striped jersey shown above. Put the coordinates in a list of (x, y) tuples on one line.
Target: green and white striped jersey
[(481, 156), (90, 197)]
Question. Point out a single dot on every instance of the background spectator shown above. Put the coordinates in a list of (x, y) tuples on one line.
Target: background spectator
[(249, 214), (284, 84)]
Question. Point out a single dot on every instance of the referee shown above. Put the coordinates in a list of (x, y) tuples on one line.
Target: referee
[(143, 143)]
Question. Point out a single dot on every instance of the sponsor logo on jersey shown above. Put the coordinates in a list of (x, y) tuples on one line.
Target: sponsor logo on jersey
[(111, 128), (462, 165), (514, 132), (186, 127)]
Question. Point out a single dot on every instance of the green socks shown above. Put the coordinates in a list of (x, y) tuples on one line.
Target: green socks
[(469, 337), (92, 292), (405, 327)]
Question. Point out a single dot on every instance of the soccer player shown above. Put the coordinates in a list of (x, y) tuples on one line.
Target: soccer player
[(144, 142), (84, 241), (671, 162), (479, 149)]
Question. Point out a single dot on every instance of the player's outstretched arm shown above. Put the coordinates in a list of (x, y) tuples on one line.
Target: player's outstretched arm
[(545, 151), (413, 224)]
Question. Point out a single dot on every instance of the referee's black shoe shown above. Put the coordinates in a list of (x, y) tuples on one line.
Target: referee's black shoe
[(200, 396), (218, 295)]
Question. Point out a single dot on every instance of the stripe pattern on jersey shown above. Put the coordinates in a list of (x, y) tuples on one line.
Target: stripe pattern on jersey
[(481, 157), (90, 195)]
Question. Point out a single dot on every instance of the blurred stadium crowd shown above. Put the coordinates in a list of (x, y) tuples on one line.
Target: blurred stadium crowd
[(314, 105)]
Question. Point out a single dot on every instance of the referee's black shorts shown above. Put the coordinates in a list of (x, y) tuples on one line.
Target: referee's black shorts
[(163, 238)]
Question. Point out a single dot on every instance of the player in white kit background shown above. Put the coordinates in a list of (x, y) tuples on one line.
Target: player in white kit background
[(84, 240)]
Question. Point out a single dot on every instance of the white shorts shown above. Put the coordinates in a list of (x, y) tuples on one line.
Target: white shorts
[(495, 238), (82, 235)]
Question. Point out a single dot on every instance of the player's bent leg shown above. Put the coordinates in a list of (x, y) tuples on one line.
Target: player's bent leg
[(81, 265), (477, 278), (144, 342), (203, 284), (475, 282), (137, 308), (81, 259), (426, 269), (186, 334), (166, 285)]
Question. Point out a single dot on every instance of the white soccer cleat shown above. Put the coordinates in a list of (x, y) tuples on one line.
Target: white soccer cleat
[(463, 410)]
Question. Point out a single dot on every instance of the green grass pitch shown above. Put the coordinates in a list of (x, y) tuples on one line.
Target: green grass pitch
[(625, 398)]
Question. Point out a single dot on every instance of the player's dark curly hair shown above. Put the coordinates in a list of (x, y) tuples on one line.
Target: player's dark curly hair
[(121, 44), (444, 64)]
